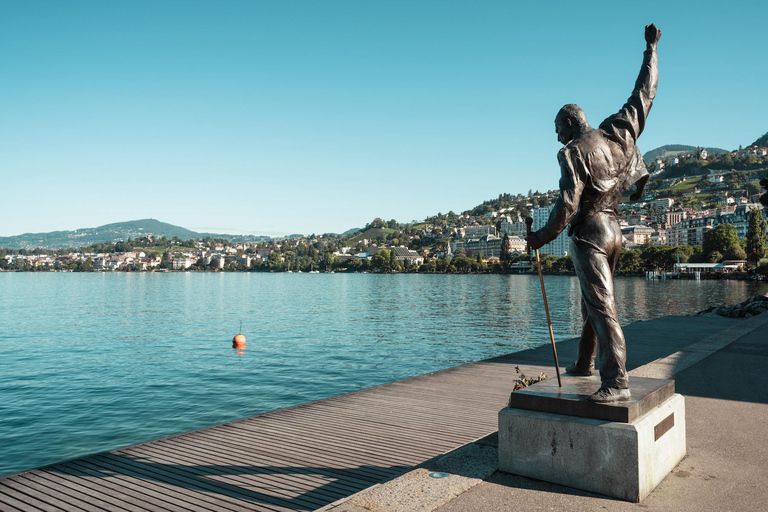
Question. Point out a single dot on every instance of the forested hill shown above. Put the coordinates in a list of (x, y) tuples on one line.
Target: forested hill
[(116, 232), (761, 142), (676, 149)]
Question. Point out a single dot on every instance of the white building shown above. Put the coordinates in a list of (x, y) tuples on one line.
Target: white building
[(662, 204), (182, 263), (516, 227), (636, 235), (517, 244), (560, 246), (478, 231)]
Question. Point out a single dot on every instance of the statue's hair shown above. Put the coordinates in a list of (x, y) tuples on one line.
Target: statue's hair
[(574, 113)]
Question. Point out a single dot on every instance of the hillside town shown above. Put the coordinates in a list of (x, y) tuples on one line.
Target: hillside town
[(675, 212)]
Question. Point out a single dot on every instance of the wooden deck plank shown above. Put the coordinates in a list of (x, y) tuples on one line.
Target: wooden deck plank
[(386, 409), (280, 469), (331, 431), (198, 500), (314, 458), (59, 493), (78, 488), (271, 461), (293, 434), (305, 460), (393, 421), (417, 422), (232, 463), (11, 504), (417, 403), (220, 494), (32, 499), (361, 432), (305, 456), (106, 490), (133, 491), (351, 453), (263, 483)]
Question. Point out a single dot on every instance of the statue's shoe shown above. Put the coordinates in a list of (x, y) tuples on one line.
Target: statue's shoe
[(609, 396), (575, 370)]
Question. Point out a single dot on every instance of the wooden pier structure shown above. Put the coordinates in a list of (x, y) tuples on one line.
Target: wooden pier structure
[(308, 456)]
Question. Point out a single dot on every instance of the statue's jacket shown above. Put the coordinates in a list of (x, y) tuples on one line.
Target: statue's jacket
[(601, 164)]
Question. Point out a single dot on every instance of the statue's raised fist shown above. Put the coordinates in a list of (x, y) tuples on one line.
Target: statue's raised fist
[(652, 35)]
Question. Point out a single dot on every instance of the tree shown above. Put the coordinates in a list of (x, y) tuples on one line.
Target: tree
[(697, 256), (506, 251), (380, 260), (393, 265), (480, 262), (684, 253), (735, 252), (165, 260), (275, 261), (428, 266), (563, 264), (764, 197), (123, 247), (85, 265), (757, 245), (629, 261), (462, 263), (720, 239), (328, 261), (378, 222), (233, 266), (658, 256), (714, 257)]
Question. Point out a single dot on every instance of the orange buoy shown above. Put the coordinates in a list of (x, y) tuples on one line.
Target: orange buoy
[(238, 341)]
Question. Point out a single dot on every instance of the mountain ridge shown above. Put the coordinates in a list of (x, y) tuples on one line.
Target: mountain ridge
[(113, 232)]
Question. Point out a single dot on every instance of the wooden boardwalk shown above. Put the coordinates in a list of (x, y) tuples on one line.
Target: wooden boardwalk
[(308, 456)]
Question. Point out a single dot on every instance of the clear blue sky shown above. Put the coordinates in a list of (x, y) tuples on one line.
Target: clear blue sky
[(280, 117)]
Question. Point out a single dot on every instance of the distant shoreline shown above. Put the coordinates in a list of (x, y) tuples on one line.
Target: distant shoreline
[(709, 276)]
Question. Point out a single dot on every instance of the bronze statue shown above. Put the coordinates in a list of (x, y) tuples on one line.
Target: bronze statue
[(597, 166)]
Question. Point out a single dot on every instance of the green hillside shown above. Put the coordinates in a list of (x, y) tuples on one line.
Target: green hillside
[(370, 234), (762, 141), (350, 231), (676, 149)]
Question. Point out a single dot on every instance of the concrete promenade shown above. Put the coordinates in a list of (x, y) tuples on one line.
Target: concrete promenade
[(725, 385), (374, 449)]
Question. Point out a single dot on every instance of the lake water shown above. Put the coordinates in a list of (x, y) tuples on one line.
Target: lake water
[(90, 362)]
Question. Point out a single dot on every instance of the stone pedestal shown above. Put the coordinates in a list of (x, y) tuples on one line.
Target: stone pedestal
[(619, 450)]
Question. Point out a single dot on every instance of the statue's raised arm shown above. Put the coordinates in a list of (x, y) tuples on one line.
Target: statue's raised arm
[(629, 122)]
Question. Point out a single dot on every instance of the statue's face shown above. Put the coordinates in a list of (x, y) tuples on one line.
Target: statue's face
[(564, 129)]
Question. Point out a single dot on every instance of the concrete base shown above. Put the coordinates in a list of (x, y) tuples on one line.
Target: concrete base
[(622, 460)]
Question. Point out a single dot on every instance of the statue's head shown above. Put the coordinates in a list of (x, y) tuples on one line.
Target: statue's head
[(570, 122)]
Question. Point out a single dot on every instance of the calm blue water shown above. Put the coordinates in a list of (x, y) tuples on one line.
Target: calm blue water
[(90, 362)]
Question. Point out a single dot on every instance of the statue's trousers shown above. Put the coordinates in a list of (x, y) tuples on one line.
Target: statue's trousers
[(596, 246)]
